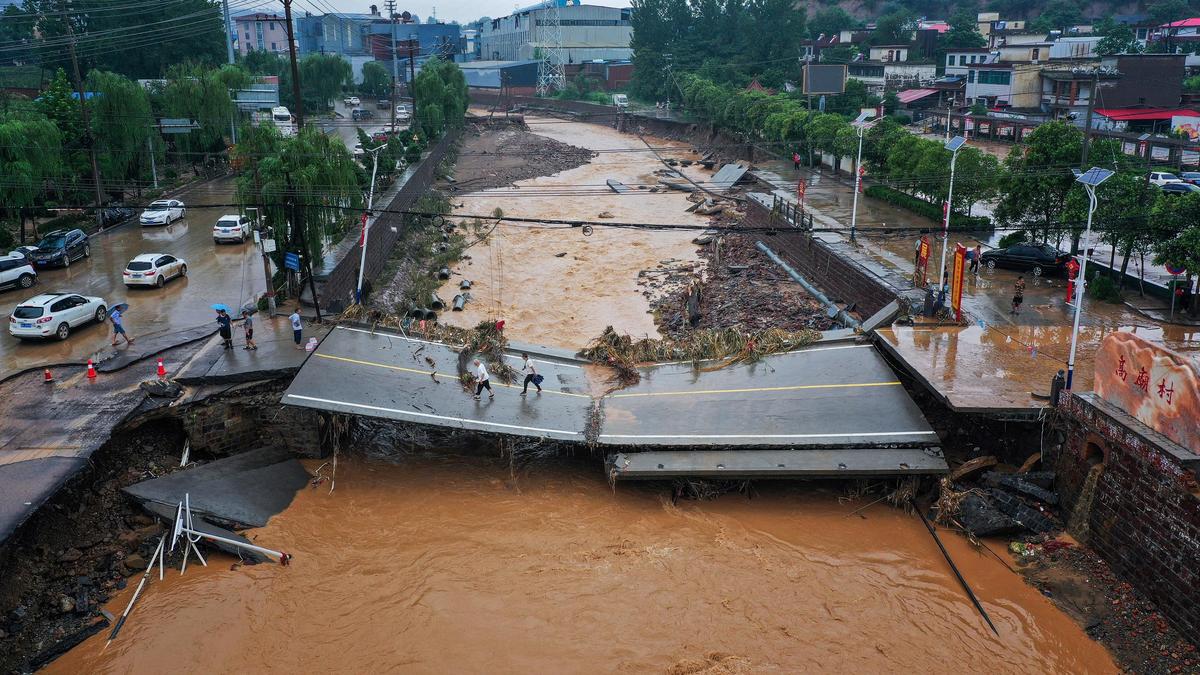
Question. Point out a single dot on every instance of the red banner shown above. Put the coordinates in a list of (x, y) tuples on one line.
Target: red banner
[(923, 250), (956, 279), (362, 235)]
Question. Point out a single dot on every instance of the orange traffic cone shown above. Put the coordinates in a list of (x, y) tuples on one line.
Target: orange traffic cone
[(91, 370), (162, 370), (47, 377)]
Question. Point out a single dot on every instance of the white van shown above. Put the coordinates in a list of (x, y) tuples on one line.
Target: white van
[(620, 100), (282, 117)]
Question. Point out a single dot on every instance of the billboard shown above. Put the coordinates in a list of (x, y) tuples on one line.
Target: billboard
[(1186, 125), (824, 78)]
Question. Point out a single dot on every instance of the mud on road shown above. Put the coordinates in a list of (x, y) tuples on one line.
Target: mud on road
[(496, 154)]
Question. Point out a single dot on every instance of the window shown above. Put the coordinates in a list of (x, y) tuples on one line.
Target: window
[(273, 47), (1001, 77), (962, 59), (970, 77), (949, 59), (1035, 54), (272, 25), (972, 58)]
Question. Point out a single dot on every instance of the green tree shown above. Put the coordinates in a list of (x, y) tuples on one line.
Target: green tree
[(201, 95), (121, 123), (441, 97), (963, 34), (1167, 11), (1116, 38), (894, 28), (263, 63), (1059, 15), (831, 21), (377, 82), (1037, 179), (322, 77), (31, 158)]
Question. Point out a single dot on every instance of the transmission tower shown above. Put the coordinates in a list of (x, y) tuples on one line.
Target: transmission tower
[(551, 76)]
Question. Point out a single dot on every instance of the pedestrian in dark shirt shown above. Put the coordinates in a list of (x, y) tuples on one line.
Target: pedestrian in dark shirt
[(1018, 295), (225, 328), (976, 258)]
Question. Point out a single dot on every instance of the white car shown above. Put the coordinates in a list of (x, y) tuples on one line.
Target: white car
[(1161, 178), (352, 102), (16, 270), (54, 314), (358, 151), (153, 269), (402, 113), (163, 212), (231, 227)]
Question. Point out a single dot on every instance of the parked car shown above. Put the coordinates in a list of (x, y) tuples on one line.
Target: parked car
[(61, 247), (354, 101), (232, 227), (114, 215), (1161, 178), (1179, 188), (361, 114), (25, 252), (1037, 258), (1192, 177), (54, 314), (17, 271), (402, 113), (346, 101), (153, 269), (383, 104), (163, 212), (358, 152)]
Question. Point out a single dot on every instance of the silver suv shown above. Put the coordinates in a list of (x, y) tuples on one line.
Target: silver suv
[(16, 271)]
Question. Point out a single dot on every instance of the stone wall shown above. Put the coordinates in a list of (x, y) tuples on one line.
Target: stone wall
[(1131, 495), (830, 266), (244, 419)]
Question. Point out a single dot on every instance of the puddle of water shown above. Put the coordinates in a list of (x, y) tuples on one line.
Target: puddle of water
[(451, 565)]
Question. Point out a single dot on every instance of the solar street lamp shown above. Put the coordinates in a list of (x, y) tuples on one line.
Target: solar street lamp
[(953, 145), (1091, 179)]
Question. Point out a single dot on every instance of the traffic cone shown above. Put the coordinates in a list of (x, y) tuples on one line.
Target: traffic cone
[(162, 370), (47, 377), (91, 370)]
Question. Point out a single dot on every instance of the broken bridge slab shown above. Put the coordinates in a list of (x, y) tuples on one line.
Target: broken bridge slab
[(743, 464), (827, 396)]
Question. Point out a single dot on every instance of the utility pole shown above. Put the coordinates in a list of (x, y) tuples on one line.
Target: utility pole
[(287, 13), (299, 238), (366, 227), (263, 236), (153, 166), (1087, 123), (228, 31), (87, 125), (412, 75), (391, 8)]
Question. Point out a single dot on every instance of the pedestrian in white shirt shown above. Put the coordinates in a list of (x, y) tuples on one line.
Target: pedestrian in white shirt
[(531, 375), (482, 381)]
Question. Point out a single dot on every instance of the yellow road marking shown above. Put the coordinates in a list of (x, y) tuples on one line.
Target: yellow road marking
[(796, 387), (754, 389), (426, 372)]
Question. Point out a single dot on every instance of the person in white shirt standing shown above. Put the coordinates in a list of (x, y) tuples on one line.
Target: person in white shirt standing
[(297, 329), (482, 381), (531, 375)]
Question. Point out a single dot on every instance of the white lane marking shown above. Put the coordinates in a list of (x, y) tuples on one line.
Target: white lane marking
[(446, 344), (430, 416), (849, 435)]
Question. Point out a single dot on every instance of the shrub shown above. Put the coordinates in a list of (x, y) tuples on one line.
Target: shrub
[(958, 221), (6, 238), (1012, 238), (1101, 287)]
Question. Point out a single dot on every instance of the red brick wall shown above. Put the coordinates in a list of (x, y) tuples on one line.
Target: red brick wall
[(1145, 515)]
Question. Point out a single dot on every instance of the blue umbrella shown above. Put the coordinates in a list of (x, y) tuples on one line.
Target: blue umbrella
[(122, 308), (220, 308)]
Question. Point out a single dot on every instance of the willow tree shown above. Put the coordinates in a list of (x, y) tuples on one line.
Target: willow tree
[(306, 188), (441, 96), (121, 123), (31, 157), (202, 95)]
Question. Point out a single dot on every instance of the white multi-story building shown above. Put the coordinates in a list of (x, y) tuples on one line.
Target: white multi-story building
[(588, 32)]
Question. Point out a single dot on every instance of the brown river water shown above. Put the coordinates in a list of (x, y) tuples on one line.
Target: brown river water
[(450, 564)]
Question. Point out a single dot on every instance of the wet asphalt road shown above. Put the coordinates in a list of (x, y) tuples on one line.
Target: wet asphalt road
[(227, 273)]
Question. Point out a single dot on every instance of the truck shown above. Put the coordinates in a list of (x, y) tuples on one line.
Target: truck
[(620, 100)]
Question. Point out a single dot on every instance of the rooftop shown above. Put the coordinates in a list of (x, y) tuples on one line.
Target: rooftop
[(1145, 114)]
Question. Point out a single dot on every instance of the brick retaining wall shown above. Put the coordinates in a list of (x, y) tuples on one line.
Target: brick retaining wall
[(1144, 518)]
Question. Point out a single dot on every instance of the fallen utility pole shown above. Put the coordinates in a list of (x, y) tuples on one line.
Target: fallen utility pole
[(957, 574), (158, 553)]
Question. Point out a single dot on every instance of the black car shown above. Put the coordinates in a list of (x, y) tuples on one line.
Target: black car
[(361, 114), (1037, 258), (1179, 188), (61, 247), (383, 104), (114, 215)]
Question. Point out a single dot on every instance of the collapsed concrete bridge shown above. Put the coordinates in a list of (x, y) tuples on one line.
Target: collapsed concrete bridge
[(831, 409)]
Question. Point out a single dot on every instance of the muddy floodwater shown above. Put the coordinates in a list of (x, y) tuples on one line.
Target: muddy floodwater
[(439, 565)]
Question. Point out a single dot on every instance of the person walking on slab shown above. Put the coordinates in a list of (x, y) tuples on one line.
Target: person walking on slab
[(248, 326), (118, 326), (1018, 295), (225, 328), (531, 375), (481, 381)]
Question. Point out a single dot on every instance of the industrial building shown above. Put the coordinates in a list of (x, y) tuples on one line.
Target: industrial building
[(589, 32), (360, 38), (517, 77)]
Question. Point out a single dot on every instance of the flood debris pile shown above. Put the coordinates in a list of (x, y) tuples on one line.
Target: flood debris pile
[(992, 502), (709, 349), (499, 153), (485, 342)]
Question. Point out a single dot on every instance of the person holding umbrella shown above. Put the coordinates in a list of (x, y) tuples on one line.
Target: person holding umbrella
[(225, 325), (116, 316)]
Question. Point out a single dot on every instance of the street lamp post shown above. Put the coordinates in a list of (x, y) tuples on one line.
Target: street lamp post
[(1091, 179), (953, 145), (861, 124), (362, 261)]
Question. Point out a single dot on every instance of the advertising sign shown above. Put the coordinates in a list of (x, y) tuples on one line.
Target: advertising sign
[(923, 249), (956, 280), (1153, 384), (1186, 125)]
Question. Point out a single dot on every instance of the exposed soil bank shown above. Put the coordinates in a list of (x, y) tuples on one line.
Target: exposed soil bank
[(70, 557), (498, 154), (453, 564)]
